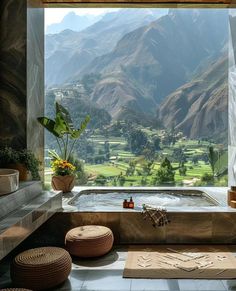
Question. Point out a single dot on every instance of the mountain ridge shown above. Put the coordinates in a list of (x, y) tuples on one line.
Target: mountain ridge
[(73, 22), (199, 108), (93, 41)]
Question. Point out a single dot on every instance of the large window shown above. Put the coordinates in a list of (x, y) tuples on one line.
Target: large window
[(155, 83)]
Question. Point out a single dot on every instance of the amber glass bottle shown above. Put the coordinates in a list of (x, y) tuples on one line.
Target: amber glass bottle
[(131, 203), (125, 203)]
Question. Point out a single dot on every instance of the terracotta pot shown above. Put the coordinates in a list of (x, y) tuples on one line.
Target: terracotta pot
[(23, 172), (63, 183)]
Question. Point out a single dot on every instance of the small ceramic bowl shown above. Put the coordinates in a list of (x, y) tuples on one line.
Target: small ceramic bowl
[(9, 181)]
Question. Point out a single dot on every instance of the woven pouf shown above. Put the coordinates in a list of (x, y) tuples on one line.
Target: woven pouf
[(41, 268), (89, 241)]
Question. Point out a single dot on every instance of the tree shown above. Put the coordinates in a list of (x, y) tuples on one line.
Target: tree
[(207, 178), (212, 158), (144, 181), (99, 159), (101, 180), (165, 174), (114, 182), (169, 138), (195, 160), (121, 179), (149, 152), (182, 169), (131, 169), (156, 143), (137, 141), (107, 150), (179, 155), (147, 167)]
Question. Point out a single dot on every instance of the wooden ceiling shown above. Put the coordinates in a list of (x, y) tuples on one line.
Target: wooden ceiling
[(139, 1), (134, 3)]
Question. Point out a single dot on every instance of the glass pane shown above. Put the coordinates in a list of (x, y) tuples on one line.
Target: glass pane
[(155, 84)]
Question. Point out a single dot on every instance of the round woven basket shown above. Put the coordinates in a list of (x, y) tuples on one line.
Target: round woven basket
[(89, 241), (41, 268)]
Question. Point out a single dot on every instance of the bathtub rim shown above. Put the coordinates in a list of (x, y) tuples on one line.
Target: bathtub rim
[(217, 193)]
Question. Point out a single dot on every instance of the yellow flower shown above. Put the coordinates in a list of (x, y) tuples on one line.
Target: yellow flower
[(62, 164)]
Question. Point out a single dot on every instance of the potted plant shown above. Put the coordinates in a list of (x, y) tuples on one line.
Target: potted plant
[(64, 178), (66, 135), (22, 160)]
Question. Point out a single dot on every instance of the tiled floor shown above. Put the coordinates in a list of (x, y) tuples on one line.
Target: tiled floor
[(106, 274)]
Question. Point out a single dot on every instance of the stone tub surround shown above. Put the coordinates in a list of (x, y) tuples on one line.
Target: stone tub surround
[(18, 225), (215, 224), (130, 228), (26, 192)]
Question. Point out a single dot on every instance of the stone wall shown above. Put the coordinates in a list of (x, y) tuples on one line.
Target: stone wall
[(22, 75), (13, 73)]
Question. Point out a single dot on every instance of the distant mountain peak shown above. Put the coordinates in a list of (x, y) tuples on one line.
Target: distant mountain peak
[(72, 21), (72, 13), (67, 31)]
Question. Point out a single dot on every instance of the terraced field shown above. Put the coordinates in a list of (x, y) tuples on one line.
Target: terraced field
[(120, 159)]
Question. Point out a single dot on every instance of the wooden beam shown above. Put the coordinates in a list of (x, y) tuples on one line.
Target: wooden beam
[(142, 3), (139, 1)]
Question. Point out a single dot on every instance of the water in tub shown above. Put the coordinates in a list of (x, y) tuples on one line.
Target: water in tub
[(113, 200)]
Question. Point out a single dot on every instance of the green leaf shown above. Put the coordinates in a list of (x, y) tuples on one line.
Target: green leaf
[(53, 155), (64, 113), (61, 126), (77, 132), (49, 124)]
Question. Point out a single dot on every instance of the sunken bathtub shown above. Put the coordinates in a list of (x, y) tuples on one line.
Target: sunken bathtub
[(112, 199), (197, 215)]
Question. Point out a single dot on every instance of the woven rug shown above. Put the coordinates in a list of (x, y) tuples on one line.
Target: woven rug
[(180, 262)]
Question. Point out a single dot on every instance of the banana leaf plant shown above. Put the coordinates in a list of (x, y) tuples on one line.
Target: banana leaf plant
[(64, 131)]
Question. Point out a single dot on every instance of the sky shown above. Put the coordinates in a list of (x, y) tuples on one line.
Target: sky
[(55, 15)]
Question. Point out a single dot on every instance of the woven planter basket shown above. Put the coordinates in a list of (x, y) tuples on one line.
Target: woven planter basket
[(63, 183), (89, 241), (41, 268)]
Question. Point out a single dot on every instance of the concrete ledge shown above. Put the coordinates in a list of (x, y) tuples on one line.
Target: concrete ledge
[(27, 192), (18, 225)]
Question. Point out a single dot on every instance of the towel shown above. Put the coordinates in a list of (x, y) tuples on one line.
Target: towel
[(158, 216)]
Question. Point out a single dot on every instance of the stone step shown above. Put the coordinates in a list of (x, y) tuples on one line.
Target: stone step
[(19, 224), (26, 192)]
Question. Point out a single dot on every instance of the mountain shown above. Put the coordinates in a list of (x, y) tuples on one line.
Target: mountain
[(68, 52), (73, 22), (116, 92), (232, 21), (199, 108), (175, 63), (81, 107), (161, 56)]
